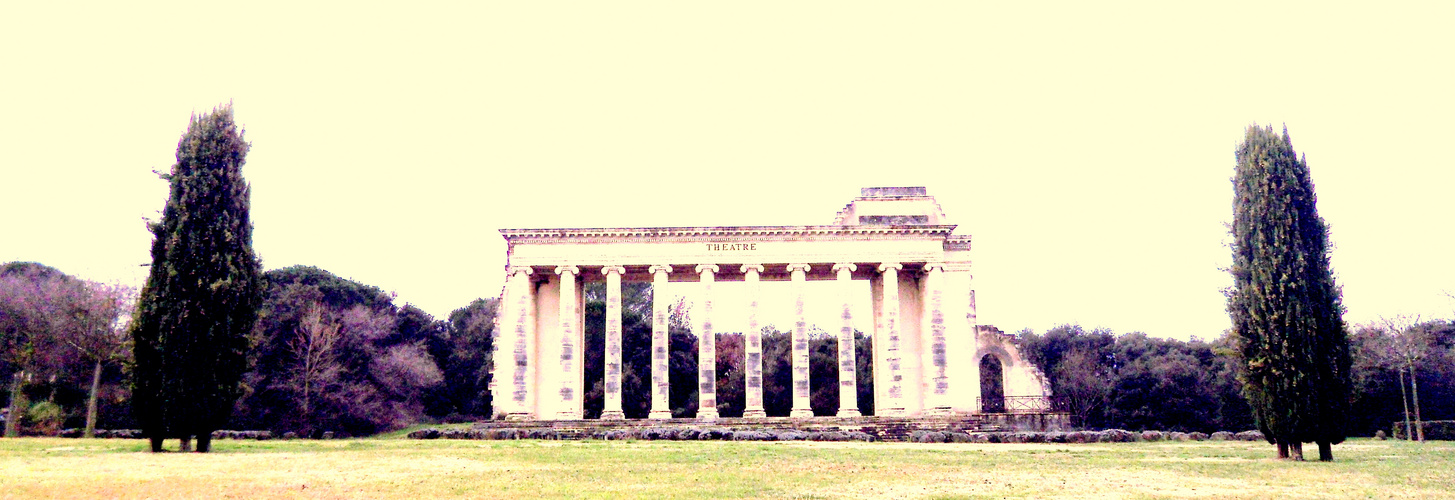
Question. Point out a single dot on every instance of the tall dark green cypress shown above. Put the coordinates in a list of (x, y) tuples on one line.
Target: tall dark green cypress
[(202, 294), (1286, 311)]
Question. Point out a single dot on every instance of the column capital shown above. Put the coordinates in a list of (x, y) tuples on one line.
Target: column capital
[(514, 270), (707, 267), (799, 267), (891, 265), (660, 268), (754, 267), (568, 269), (934, 266), (619, 270), (845, 265)]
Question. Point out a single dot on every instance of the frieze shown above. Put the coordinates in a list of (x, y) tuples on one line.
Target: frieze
[(731, 247)]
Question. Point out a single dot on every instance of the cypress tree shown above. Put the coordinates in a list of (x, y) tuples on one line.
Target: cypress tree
[(202, 294), (1286, 310)]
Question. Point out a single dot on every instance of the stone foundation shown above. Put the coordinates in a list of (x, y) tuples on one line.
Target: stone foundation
[(881, 428)]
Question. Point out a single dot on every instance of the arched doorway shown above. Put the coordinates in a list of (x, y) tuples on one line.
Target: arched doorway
[(992, 385)]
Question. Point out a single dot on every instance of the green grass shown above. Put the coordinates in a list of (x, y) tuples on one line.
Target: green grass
[(402, 468)]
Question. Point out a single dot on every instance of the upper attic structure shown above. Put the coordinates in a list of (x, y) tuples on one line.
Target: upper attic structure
[(892, 206)]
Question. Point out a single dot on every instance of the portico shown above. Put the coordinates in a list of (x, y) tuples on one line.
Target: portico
[(927, 346)]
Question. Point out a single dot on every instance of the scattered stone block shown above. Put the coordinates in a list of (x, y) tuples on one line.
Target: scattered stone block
[(1253, 435)]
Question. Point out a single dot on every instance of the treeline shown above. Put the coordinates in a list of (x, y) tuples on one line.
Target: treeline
[(1137, 382), (1132, 381), (62, 348), (332, 354), (328, 354)]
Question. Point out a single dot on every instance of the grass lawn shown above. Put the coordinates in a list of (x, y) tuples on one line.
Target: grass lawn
[(402, 468)]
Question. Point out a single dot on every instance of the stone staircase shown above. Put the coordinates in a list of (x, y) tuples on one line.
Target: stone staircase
[(882, 428)]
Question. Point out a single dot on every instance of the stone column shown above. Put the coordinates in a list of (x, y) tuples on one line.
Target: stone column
[(937, 395), (517, 406), (706, 348), (973, 382), (661, 310), (801, 405), (611, 409), (753, 347), (570, 349), (848, 383), (892, 357)]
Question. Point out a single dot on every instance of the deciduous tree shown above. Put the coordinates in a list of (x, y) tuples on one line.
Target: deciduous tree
[(97, 320), (1409, 343), (315, 365), (31, 317)]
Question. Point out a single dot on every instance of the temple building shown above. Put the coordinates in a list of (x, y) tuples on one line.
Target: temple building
[(930, 353)]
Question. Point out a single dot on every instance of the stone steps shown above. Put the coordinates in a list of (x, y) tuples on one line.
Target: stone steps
[(882, 428)]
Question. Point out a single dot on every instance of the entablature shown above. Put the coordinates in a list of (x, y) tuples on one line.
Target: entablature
[(679, 233)]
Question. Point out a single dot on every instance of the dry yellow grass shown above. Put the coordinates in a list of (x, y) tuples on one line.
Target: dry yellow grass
[(396, 468)]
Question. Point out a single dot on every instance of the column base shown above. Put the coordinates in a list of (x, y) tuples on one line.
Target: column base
[(660, 415), (517, 416), (613, 415), (707, 414), (755, 413), (801, 413), (848, 412)]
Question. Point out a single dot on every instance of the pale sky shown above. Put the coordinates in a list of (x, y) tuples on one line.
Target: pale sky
[(1086, 146)]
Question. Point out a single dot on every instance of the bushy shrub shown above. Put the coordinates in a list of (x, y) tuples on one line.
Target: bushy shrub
[(45, 418), (1221, 436), (1443, 430)]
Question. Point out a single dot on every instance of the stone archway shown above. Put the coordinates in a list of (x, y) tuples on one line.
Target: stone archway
[(992, 384)]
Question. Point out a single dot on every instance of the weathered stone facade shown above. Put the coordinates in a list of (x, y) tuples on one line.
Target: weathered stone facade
[(927, 349)]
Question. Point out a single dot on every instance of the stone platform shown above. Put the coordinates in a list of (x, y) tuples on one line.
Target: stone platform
[(882, 428)]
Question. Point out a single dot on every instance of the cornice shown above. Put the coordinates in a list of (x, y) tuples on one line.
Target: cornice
[(942, 230)]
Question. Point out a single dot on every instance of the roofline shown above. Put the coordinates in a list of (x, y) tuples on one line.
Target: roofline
[(931, 230)]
